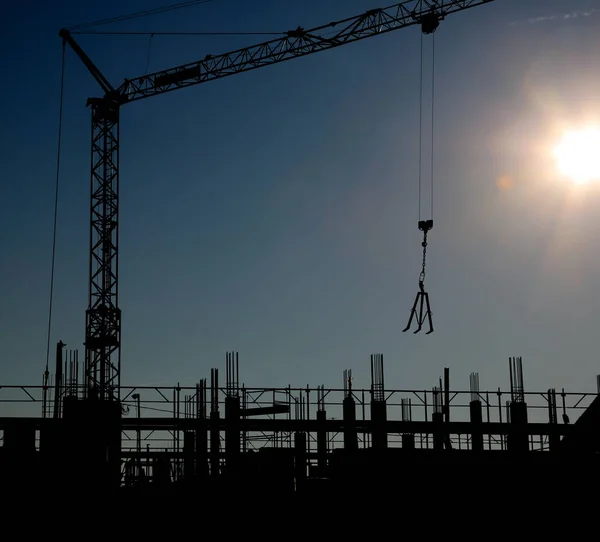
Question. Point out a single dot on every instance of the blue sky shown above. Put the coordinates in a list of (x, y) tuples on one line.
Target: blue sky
[(274, 212)]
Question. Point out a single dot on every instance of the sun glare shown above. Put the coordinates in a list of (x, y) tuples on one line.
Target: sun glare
[(578, 155)]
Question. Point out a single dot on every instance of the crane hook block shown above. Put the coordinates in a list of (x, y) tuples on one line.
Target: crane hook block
[(425, 225)]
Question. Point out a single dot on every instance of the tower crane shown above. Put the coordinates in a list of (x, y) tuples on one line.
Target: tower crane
[(103, 315)]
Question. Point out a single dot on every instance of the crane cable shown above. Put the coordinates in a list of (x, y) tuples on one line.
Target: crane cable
[(57, 182), (177, 33), (420, 129), (137, 14), (421, 99), (432, 118)]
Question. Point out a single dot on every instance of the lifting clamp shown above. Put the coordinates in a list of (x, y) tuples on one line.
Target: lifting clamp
[(422, 299)]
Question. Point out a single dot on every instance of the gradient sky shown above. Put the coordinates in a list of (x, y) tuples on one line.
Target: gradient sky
[(275, 212)]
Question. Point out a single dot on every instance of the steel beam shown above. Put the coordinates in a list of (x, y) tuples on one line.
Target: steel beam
[(332, 426)]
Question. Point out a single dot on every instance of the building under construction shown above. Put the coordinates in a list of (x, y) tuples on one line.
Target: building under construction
[(224, 436)]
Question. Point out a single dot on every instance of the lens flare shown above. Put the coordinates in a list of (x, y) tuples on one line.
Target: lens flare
[(578, 155)]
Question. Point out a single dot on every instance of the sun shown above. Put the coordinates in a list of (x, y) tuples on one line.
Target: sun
[(578, 155)]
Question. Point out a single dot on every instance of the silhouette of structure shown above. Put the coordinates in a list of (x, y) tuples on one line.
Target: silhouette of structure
[(291, 441), (97, 436)]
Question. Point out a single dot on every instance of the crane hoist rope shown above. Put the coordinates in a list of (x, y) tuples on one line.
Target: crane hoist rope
[(421, 309)]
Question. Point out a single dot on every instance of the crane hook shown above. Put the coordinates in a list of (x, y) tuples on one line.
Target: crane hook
[(422, 298)]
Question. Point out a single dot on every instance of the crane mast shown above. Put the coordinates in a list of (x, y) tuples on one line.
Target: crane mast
[(103, 315)]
